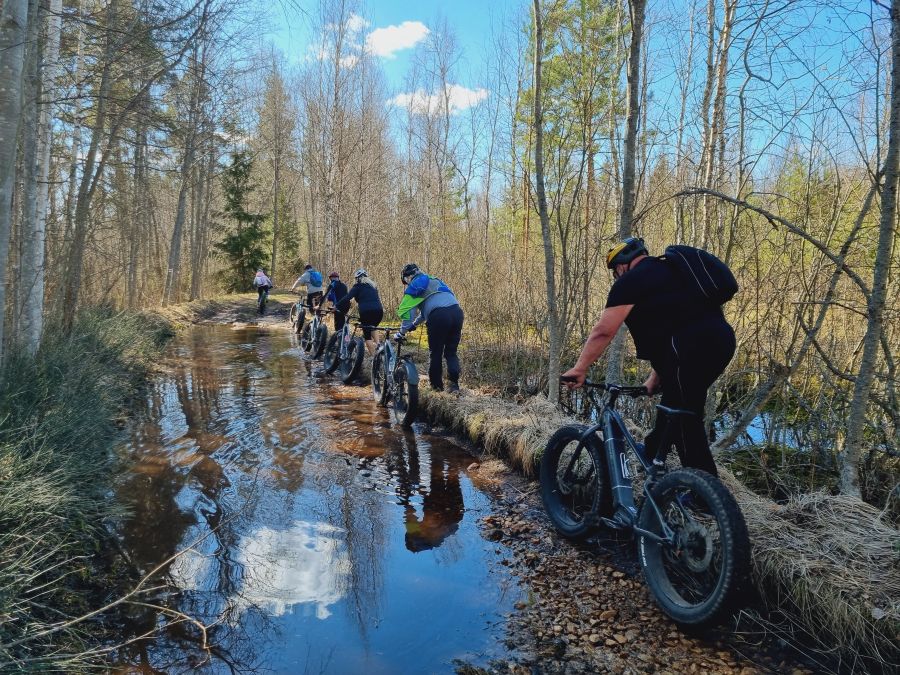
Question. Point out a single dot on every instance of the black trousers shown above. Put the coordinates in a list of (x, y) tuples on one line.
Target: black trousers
[(696, 356), (370, 317), (444, 331)]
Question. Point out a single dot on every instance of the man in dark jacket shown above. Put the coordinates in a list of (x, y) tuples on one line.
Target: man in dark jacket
[(687, 342)]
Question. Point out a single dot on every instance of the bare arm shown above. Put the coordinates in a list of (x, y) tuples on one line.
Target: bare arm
[(601, 335)]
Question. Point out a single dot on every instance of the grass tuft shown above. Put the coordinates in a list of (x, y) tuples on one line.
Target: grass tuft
[(58, 413)]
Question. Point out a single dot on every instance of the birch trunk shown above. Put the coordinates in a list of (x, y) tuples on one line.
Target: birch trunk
[(616, 350), (35, 231), (26, 330), (862, 389), (13, 20), (553, 370)]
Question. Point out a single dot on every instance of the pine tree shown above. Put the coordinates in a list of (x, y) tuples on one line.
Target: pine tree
[(244, 248)]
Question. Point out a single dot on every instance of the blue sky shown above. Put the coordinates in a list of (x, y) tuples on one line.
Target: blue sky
[(394, 27), (818, 57)]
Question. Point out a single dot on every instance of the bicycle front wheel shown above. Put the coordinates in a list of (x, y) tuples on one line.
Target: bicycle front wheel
[(379, 378), (697, 576), (319, 341), (296, 319), (351, 365), (306, 337), (332, 357), (574, 481), (405, 403)]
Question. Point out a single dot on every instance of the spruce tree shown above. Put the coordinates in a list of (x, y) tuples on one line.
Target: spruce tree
[(244, 248)]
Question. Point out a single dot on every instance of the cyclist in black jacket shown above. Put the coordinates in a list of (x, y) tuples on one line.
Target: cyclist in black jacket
[(371, 311), (336, 290), (688, 343)]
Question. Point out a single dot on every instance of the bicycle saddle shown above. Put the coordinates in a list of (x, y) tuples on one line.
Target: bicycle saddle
[(675, 412)]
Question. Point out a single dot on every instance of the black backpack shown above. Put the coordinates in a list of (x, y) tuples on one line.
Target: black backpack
[(707, 276)]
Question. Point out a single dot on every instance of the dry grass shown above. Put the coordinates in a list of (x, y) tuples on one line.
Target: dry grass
[(830, 565), (57, 430), (517, 433)]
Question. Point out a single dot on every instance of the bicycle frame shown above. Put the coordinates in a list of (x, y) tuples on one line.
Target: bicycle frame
[(615, 439)]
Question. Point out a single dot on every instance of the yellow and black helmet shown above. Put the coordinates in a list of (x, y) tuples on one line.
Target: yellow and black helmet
[(626, 251)]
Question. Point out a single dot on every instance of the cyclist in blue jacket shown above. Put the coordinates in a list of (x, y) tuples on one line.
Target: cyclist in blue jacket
[(312, 279), (429, 300)]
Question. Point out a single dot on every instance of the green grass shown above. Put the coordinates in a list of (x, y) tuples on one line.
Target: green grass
[(58, 413)]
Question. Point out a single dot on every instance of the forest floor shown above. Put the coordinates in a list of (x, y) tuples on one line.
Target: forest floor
[(588, 609)]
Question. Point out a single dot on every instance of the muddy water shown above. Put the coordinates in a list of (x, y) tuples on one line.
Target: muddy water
[(317, 536)]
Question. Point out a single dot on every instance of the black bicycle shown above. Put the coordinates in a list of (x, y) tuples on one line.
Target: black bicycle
[(344, 352), (261, 302), (692, 540), (297, 316), (314, 335), (395, 378)]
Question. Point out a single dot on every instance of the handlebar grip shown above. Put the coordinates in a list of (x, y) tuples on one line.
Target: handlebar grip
[(567, 378)]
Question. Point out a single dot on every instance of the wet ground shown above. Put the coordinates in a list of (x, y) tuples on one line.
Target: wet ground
[(299, 529)]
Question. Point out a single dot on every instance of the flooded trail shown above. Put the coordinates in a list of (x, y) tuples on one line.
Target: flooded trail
[(318, 536)]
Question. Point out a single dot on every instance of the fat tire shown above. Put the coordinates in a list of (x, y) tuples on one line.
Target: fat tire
[(296, 320), (306, 341), (351, 366), (601, 503), (407, 417), (331, 358), (379, 381), (735, 544), (320, 341)]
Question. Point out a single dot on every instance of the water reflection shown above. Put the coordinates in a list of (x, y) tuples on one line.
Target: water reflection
[(317, 530)]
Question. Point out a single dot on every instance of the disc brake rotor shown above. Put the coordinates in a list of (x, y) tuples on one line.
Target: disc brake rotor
[(694, 547)]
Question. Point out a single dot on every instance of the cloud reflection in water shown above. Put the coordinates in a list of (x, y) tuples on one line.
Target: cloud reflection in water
[(304, 565)]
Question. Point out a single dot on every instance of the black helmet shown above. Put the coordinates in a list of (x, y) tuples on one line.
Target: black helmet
[(625, 252), (409, 270)]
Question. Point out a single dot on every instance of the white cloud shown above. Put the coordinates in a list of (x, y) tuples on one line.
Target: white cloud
[(356, 23), (458, 99), (385, 42)]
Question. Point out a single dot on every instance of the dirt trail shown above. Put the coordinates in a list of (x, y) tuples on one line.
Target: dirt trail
[(589, 609)]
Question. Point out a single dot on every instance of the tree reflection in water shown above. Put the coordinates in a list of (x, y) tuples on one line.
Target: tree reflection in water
[(305, 504)]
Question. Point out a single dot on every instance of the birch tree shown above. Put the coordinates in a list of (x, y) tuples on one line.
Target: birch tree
[(616, 350), (13, 30), (871, 344)]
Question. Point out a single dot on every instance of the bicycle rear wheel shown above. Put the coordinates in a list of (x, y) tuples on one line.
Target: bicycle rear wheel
[(332, 357), (351, 365), (574, 482), (696, 578)]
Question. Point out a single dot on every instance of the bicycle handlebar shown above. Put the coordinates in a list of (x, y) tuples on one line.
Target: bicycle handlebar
[(605, 386)]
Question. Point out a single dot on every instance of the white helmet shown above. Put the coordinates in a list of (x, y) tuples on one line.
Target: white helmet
[(360, 273)]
